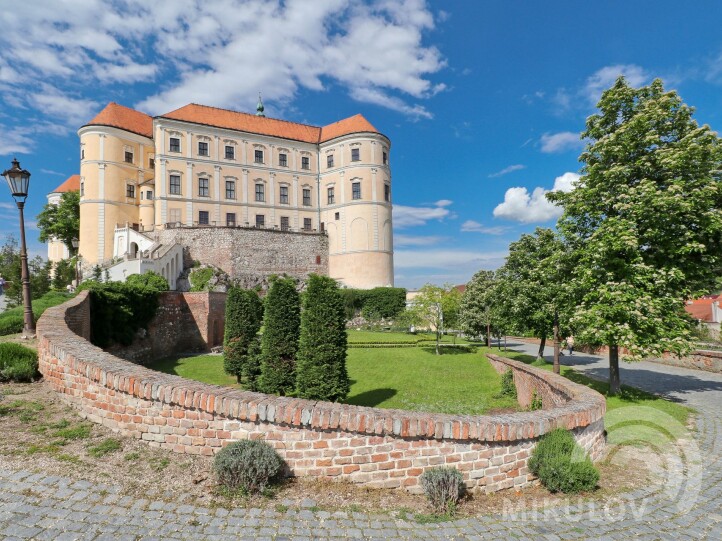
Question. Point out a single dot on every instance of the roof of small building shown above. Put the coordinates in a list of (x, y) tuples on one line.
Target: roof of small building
[(701, 309), (119, 116), (72, 184), (125, 118)]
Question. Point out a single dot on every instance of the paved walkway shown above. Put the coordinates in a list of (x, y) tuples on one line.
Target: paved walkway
[(36, 506)]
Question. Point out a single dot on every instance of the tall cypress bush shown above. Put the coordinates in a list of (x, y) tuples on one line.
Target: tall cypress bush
[(244, 314), (279, 343), (321, 367)]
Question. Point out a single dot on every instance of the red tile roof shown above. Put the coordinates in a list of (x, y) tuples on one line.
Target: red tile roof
[(72, 184), (125, 118), (233, 120), (701, 308)]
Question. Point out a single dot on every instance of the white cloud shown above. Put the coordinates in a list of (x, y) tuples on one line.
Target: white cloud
[(507, 170), (520, 206), (417, 240), (446, 259), (220, 53), (471, 226), (414, 216), (15, 141), (74, 111), (560, 142), (605, 77)]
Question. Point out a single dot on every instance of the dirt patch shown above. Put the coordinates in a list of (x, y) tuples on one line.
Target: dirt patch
[(47, 435)]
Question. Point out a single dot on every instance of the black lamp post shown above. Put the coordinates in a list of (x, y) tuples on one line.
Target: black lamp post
[(18, 181), (76, 243)]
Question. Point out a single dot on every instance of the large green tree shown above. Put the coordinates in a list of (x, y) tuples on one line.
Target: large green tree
[(321, 366), (644, 224), (244, 315), (279, 343), (431, 305), (61, 221), (10, 270), (530, 284), (476, 307)]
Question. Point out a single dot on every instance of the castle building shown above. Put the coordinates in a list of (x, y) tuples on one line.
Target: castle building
[(201, 166)]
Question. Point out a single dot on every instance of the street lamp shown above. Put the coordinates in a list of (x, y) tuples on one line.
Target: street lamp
[(18, 181), (76, 243)]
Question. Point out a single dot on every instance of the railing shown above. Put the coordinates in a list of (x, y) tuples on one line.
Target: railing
[(247, 225)]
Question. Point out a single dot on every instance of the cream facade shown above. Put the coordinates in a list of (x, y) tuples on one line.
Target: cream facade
[(202, 166)]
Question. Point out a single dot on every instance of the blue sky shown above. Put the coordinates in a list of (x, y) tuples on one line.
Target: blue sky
[(483, 100)]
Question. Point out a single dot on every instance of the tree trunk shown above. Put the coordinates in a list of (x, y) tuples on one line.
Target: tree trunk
[(542, 343), (438, 340), (488, 335), (556, 344), (614, 382)]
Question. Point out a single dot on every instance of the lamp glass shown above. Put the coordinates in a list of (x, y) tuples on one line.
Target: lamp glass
[(18, 180)]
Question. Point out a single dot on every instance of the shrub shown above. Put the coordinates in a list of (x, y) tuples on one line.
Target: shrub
[(443, 486), (374, 304), (561, 465), (199, 278), (248, 465), (11, 321), (536, 402), (244, 315), (507, 384), (321, 365), (279, 343), (17, 362), (11, 324), (150, 279)]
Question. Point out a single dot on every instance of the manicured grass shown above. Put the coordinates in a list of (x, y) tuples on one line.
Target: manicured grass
[(419, 380), (205, 368), (381, 337), (629, 396)]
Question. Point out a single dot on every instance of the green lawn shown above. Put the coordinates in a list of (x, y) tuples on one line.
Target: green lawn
[(381, 337), (205, 368)]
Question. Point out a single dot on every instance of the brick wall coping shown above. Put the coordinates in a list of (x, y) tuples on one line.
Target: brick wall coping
[(583, 407)]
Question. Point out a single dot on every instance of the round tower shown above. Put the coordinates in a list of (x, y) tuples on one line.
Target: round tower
[(355, 191), (116, 153)]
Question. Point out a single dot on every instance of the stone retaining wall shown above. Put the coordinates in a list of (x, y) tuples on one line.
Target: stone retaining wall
[(375, 447)]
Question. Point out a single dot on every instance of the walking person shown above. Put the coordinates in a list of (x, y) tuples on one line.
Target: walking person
[(570, 344), (2, 285)]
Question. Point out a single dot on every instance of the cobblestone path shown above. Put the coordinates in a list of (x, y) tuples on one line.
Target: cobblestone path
[(36, 506)]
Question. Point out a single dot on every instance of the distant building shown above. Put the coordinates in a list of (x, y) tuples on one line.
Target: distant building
[(706, 310), (201, 166)]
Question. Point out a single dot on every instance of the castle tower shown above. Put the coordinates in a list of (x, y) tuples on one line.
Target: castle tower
[(116, 167), (355, 202)]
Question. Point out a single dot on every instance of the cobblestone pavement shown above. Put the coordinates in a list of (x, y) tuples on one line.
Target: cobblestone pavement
[(36, 506)]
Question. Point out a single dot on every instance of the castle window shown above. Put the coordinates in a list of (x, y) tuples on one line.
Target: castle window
[(230, 189), (284, 223), (202, 148), (149, 194), (175, 187), (385, 158), (230, 152), (260, 220), (202, 217), (331, 197), (329, 161), (128, 157), (337, 216), (203, 187), (307, 224), (355, 155), (258, 156), (174, 215), (151, 163), (283, 160), (260, 192), (356, 190), (307, 197), (387, 192), (130, 190), (284, 195), (305, 162), (82, 153), (174, 145), (82, 189), (231, 219)]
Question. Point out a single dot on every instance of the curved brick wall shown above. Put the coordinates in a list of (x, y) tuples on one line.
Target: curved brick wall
[(376, 447)]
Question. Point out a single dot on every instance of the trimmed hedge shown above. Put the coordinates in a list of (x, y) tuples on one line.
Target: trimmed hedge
[(17, 362), (12, 321), (244, 316), (374, 304)]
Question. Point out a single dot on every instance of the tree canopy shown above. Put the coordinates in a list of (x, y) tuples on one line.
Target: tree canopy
[(61, 221), (643, 224)]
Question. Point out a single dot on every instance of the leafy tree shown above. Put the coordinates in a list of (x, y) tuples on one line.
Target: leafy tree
[(244, 315), (429, 305), (321, 367), (61, 221), (475, 310), (279, 343), (63, 274), (11, 271), (149, 279), (530, 284), (644, 223)]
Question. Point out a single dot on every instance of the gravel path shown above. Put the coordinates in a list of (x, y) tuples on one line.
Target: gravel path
[(688, 506)]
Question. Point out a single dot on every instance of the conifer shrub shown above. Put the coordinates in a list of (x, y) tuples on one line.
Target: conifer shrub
[(279, 343), (443, 486), (561, 464), (247, 465), (244, 315), (17, 362), (321, 364)]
